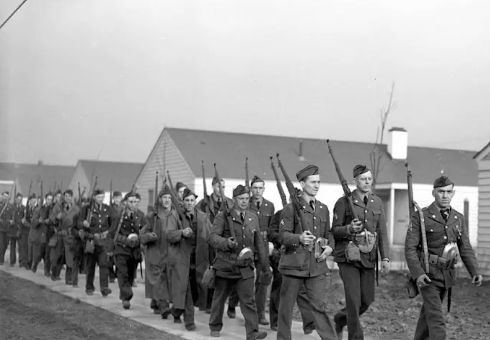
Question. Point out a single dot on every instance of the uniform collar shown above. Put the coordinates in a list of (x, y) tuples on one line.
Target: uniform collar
[(435, 214)]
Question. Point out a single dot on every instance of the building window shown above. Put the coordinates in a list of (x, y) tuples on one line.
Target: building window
[(151, 197)]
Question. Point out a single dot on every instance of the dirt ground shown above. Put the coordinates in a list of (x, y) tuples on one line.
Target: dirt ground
[(29, 311), (394, 315)]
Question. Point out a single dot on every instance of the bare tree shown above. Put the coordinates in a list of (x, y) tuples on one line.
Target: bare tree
[(377, 154)]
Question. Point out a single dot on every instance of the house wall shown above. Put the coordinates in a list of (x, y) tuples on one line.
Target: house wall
[(164, 153), (79, 176), (483, 250)]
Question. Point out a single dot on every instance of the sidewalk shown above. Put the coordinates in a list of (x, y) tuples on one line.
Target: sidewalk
[(140, 311)]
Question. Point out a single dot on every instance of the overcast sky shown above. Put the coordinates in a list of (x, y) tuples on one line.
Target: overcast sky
[(79, 78)]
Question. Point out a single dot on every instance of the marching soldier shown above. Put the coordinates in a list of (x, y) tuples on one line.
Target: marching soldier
[(14, 230), (154, 239), (179, 189), (215, 201), (364, 231), (235, 261), (93, 226), (447, 235), (124, 244), (25, 244), (6, 210), (62, 218), (117, 208), (298, 264), (188, 259), (39, 232), (78, 248), (49, 234), (275, 297)]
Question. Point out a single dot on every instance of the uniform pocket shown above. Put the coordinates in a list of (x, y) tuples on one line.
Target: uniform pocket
[(297, 260)]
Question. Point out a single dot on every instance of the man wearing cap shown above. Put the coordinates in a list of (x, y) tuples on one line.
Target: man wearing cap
[(179, 189), (275, 297), (117, 208), (365, 231), (188, 259), (92, 228), (25, 243), (215, 201), (447, 235), (299, 265), (6, 211), (62, 217), (39, 232), (124, 244), (78, 247), (154, 240), (17, 212)]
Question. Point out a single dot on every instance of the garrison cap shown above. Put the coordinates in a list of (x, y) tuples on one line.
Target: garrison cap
[(360, 169), (48, 194), (6, 193), (98, 192), (138, 196), (256, 179), (69, 192), (32, 196), (18, 194), (188, 192), (442, 182), (309, 170), (215, 180), (129, 194), (116, 194), (58, 192), (179, 185), (240, 190), (164, 191)]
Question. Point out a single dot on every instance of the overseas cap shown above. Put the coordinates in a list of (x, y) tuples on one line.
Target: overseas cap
[(256, 179), (165, 191), (442, 182), (98, 192), (240, 190), (179, 185), (310, 170), (215, 180), (116, 194), (188, 192), (360, 169), (129, 195)]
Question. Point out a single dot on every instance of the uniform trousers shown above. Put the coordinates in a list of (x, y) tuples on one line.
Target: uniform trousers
[(359, 295), (37, 253), (126, 267), (78, 260), (24, 250), (4, 243), (190, 297), (316, 290), (57, 258), (99, 257), (245, 289), (431, 323)]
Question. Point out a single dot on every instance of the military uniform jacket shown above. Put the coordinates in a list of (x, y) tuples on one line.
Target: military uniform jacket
[(5, 219), (17, 213), (28, 215), (38, 233), (373, 217), (101, 219), (131, 223), (213, 209), (265, 213), (68, 218), (439, 233), (247, 234), (298, 260)]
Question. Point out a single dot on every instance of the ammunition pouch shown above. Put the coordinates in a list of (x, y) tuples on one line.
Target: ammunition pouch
[(209, 277), (352, 253), (98, 238), (440, 262), (320, 245), (53, 241), (89, 247), (366, 241)]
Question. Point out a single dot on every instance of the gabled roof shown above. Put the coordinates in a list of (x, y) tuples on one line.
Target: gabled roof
[(482, 153), (122, 174), (24, 173), (229, 151)]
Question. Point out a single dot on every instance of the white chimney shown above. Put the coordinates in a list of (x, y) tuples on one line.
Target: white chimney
[(398, 143)]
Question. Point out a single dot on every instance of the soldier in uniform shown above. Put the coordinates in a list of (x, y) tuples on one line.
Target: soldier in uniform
[(298, 264), (117, 208), (62, 218), (179, 189), (447, 235), (14, 231), (78, 247), (188, 259), (215, 201), (39, 232), (352, 229), (154, 240), (5, 223), (275, 297), (233, 267), (25, 244), (124, 244), (264, 210), (49, 204), (93, 226)]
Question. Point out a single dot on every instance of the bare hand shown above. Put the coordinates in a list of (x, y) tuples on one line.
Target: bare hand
[(385, 267), (187, 232), (355, 226), (326, 253), (477, 280), (59, 216), (23, 221), (41, 220), (307, 238), (86, 224), (423, 281), (232, 243)]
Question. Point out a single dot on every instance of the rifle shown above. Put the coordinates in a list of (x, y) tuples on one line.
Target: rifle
[(110, 193), (42, 195), (206, 197), (61, 187), (278, 183), (224, 206), (247, 180), (175, 200), (170, 182), (27, 203), (303, 225), (89, 212), (79, 196), (343, 182)]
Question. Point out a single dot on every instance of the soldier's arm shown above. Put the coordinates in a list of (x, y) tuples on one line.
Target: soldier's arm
[(259, 244), (466, 250), (215, 238), (273, 234), (174, 233), (339, 229), (287, 236), (383, 243), (35, 218), (53, 215), (412, 243), (111, 233)]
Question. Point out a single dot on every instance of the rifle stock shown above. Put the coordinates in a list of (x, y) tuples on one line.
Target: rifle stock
[(224, 206), (247, 179), (282, 194), (110, 193), (206, 197), (42, 194)]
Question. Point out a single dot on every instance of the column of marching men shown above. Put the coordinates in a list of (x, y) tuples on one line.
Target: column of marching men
[(203, 253)]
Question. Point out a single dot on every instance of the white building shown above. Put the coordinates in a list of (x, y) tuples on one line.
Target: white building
[(483, 249)]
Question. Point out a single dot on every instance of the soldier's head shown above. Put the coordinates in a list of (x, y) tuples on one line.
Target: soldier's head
[(309, 179), (241, 197), (258, 187), (5, 196), (117, 197), (48, 198), (179, 188), (216, 186), (165, 198), (363, 178), (57, 197), (32, 201), (68, 196), (18, 198), (130, 201), (443, 192), (99, 196), (189, 199)]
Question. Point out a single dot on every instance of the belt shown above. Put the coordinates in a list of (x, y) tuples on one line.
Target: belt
[(440, 262), (124, 240), (98, 236), (64, 232)]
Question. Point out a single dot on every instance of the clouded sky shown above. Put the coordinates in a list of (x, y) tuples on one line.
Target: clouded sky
[(79, 78)]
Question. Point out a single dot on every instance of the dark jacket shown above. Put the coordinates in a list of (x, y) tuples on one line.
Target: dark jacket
[(128, 226), (213, 209), (373, 217), (101, 219), (439, 233), (297, 260), (265, 213)]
